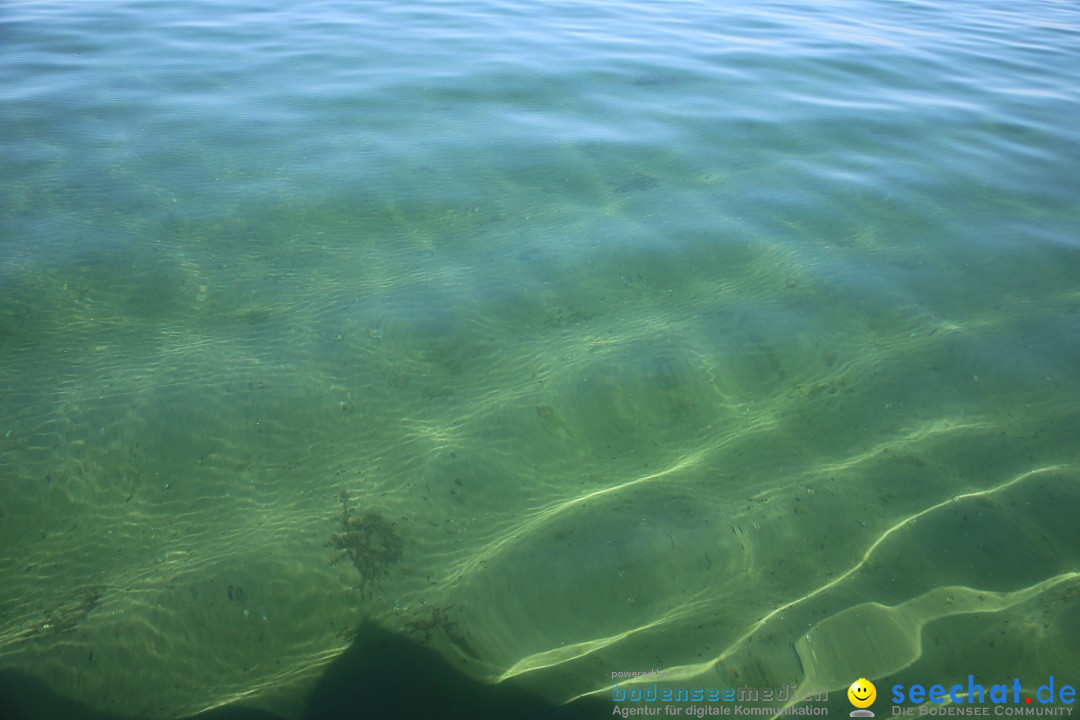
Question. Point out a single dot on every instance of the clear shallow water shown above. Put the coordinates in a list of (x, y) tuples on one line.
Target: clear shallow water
[(665, 335)]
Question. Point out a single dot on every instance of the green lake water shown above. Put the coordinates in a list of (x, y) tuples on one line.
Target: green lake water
[(740, 341)]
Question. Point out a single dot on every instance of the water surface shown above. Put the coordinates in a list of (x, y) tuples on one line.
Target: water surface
[(739, 341)]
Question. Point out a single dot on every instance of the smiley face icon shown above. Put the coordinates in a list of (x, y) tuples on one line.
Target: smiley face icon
[(862, 693)]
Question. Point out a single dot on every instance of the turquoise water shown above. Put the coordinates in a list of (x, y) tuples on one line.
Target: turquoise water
[(740, 341)]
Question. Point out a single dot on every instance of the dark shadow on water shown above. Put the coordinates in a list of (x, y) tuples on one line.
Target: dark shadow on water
[(382, 675)]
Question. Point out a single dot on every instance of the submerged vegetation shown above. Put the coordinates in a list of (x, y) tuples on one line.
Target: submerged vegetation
[(66, 615), (369, 540), (441, 622)]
